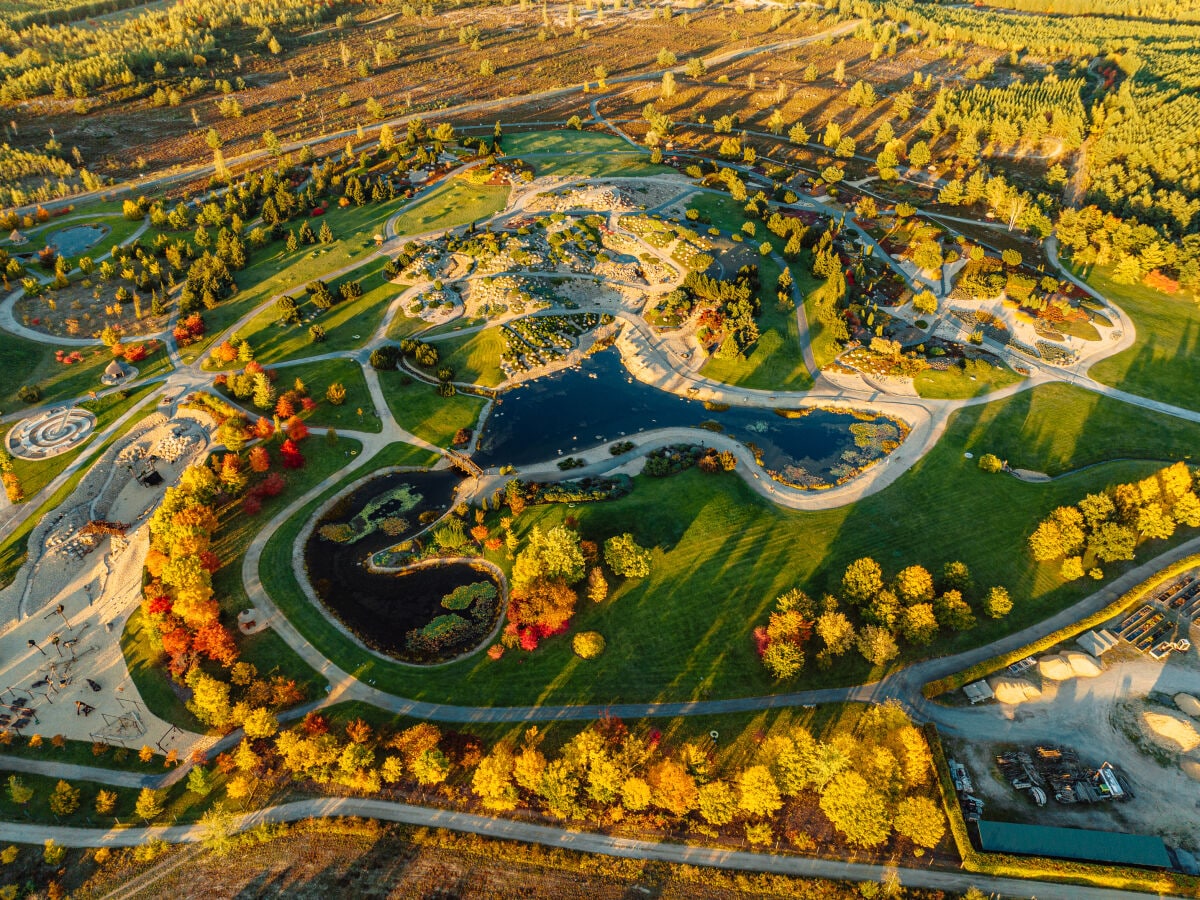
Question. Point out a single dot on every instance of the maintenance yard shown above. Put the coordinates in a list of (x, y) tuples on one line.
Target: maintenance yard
[(1134, 722)]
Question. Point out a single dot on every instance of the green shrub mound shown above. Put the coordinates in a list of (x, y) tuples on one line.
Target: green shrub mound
[(462, 597), (588, 644)]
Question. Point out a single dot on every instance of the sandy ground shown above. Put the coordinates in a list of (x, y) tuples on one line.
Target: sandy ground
[(98, 593), (1098, 718)]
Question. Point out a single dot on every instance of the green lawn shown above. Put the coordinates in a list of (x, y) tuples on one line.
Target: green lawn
[(179, 804), (825, 347), (591, 153), (566, 140), (348, 325), (722, 554), (775, 361), (273, 270), (266, 650), (456, 203), (317, 376), (33, 363), (475, 357), (79, 753), (1164, 361), (955, 384), (418, 409)]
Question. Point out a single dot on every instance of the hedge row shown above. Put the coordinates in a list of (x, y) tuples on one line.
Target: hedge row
[(1044, 868), (1130, 598)]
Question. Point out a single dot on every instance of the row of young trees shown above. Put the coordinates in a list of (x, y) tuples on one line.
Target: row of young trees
[(872, 781)]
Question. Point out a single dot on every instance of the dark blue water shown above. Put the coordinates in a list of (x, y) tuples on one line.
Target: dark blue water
[(571, 411)]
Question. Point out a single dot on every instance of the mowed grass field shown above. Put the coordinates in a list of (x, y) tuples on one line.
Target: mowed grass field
[(722, 554), (1164, 361), (32, 363), (956, 384), (584, 153), (419, 410)]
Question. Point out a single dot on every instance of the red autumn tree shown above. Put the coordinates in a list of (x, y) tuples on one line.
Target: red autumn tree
[(215, 642), (263, 428), (176, 642), (292, 457), (296, 429), (260, 458), (284, 408), (273, 484)]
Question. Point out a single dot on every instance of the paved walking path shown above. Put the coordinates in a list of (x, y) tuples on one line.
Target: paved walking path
[(568, 839)]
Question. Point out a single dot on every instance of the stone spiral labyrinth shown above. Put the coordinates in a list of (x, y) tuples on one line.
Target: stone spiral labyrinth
[(51, 433)]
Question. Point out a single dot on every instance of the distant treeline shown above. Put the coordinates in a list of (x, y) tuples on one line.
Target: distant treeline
[(52, 13), (1176, 10)]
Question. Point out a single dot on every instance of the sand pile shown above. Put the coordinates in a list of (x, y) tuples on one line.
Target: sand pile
[(1191, 768), (1188, 704), (1171, 730), (1014, 690), (1067, 665), (1084, 665), (1055, 668)]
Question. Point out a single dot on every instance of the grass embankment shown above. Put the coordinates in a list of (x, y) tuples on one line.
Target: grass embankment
[(775, 361), (1164, 361), (36, 475), (266, 650), (457, 202), (79, 753), (722, 554), (33, 363), (1123, 603), (419, 410), (957, 384), (475, 358)]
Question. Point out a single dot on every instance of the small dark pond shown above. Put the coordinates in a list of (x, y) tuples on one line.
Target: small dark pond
[(382, 609), (601, 402)]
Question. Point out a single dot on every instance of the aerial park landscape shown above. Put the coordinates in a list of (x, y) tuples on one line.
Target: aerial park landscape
[(684, 449)]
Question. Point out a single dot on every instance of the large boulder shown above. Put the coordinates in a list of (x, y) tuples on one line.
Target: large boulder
[(1191, 768)]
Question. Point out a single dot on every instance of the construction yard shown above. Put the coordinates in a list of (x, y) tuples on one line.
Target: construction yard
[(1134, 741)]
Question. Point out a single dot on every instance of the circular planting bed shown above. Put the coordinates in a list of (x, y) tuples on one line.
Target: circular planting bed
[(428, 612)]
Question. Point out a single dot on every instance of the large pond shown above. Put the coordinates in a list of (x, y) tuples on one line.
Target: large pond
[(452, 606), (74, 240), (600, 402)]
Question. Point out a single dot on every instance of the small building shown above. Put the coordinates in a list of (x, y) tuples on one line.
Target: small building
[(17, 238), (1112, 847), (978, 691), (115, 373)]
